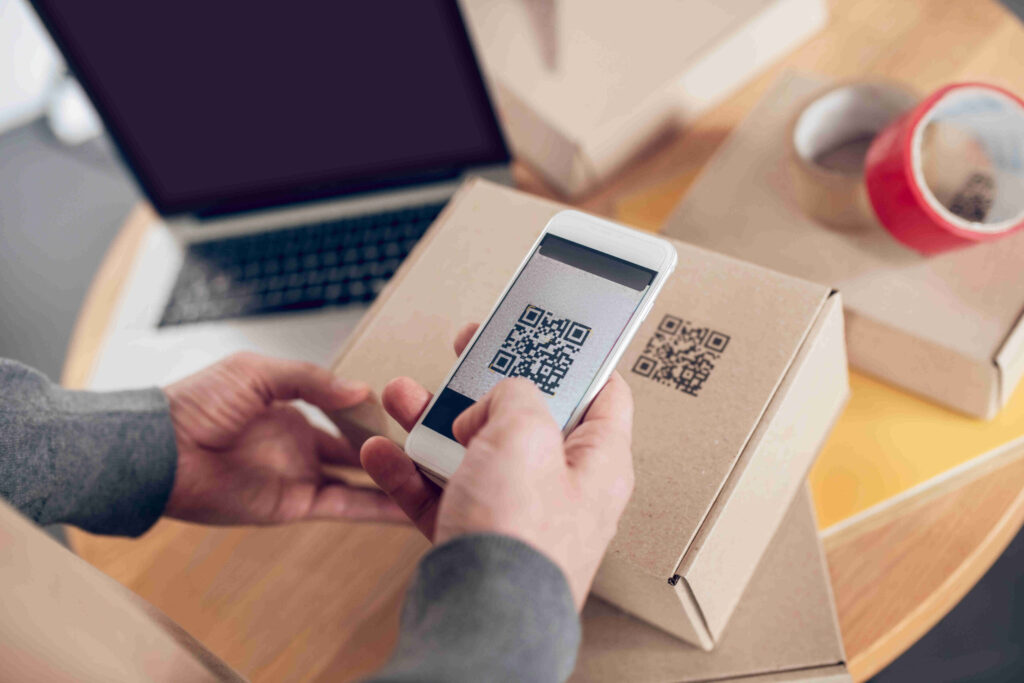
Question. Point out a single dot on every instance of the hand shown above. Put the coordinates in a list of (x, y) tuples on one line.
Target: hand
[(518, 477), (245, 456)]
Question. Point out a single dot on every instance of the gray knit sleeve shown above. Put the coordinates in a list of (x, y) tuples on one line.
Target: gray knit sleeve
[(102, 461), (485, 608)]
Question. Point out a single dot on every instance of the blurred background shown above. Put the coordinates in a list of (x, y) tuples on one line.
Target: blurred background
[(64, 195)]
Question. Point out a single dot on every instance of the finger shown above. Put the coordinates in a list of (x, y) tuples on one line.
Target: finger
[(335, 450), (405, 399), (284, 380), (339, 501), (606, 428), (471, 420), (463, 337), (612, 408), (511, 397), (396, 474)]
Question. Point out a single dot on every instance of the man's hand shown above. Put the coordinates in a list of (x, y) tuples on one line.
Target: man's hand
[(518, 477), (245, 456)]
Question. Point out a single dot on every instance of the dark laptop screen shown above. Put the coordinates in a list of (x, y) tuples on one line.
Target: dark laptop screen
[(226, 106)]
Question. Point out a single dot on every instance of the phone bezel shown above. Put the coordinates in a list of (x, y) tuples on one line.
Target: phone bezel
[(439, 456)]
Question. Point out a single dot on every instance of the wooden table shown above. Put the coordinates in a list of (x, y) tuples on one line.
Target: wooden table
[(321, 600)]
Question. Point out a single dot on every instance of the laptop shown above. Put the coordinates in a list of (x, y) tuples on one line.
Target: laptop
[(293, 153)]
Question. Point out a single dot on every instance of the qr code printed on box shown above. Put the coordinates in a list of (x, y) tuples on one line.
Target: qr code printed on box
[(681, 355), (541, 348)]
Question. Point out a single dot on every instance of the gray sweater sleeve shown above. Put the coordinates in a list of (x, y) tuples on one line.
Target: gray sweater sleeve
[(482, 607), (485, 608), (104, 462)]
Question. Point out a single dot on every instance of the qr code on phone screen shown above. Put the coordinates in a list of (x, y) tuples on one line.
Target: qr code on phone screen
[(681, 355), (541, 348)]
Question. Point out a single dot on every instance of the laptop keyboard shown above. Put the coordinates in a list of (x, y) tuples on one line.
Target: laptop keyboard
[(330, 263)]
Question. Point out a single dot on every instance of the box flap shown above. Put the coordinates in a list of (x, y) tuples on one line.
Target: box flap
[(1010, 361), (784, 624), (965, 301), (772, 467)]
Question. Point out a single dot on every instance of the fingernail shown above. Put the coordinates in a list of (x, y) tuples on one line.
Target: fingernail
[(345, 386)]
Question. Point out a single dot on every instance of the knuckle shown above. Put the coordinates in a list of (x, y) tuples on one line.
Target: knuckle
[(241, 360), (523, 422)]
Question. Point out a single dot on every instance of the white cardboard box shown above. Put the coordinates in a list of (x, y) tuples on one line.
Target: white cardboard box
[(582, 86)]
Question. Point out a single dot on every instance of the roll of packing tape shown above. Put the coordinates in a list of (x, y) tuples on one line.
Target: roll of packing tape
[(829, 140), (941, 174), (950, 172)]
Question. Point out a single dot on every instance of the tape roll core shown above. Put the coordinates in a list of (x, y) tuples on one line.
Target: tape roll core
[(829, 140)]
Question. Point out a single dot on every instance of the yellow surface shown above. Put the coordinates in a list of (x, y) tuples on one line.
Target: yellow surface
[(886, 441)]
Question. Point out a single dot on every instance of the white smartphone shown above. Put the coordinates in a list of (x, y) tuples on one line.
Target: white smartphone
[(562, 322)]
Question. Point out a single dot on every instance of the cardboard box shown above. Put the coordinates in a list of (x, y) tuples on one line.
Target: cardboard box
[(583, 86), (783, 630), (716, 467), (61, 619), (946, 327)]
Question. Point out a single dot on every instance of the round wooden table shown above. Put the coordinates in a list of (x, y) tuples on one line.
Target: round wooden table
[(896, 568)]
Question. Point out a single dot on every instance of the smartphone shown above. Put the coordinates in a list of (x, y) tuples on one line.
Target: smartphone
[(562, 322)]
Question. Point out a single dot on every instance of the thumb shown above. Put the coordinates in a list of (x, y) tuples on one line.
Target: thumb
[(396, 474), (517, 396)]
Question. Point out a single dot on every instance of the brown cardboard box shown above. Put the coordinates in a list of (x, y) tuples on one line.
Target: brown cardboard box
[(784, 628), (582, 86), (946, 327), (716, 468), (61, 619)]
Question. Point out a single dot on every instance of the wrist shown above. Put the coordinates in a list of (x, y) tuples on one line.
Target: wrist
[(513, 538)]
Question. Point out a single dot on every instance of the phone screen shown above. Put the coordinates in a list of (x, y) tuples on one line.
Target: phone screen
[(556, 325)]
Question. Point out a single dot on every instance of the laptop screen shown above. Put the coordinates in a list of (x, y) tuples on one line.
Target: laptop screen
[(221, 106)]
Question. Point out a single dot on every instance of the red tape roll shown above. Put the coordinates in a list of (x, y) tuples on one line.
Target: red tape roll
[(950, 172)]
